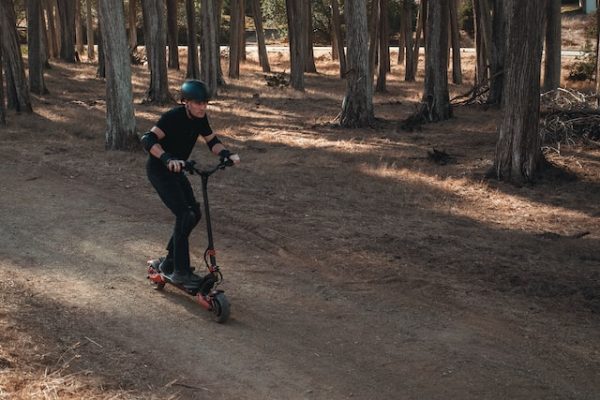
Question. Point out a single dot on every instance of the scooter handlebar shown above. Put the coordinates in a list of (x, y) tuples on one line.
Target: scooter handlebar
[(190, 166)]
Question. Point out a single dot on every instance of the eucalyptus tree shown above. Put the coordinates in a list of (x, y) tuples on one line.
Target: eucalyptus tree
[(155, 39), (357, 106), (17, 89), (66, 11), (436, 96), (35, 48), (120, 117), (518, 155)]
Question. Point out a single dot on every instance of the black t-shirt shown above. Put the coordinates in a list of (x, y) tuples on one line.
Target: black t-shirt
[(181, 132)]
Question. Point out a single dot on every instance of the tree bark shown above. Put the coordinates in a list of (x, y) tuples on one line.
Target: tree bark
[(66, 11), (518, 154), (2, 107), (421, 18), (260, 36), (210, 47), (384, 46), (498, 52), (52, 34), (436, 95), (155, 39), (373, 35), (218, 18), (193, 63), (78, 28), (89, 22), (101, 71), (553, 45), (242, 32), (234, 40), (296, 35), (308, 34), (456, 64), (357, 106), (120, 117), (16, 83), (598, 55), (34, 46), (409, 62), (172, 34), (44, 33), (337, 27), (132, 18)]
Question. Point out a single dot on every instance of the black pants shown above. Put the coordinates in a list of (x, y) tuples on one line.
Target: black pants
[(177, 194)]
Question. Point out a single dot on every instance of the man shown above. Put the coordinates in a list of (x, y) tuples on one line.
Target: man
[(169, 143)]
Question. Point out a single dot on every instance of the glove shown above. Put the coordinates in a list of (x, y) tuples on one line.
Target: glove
[(224, 155), (166, 157)]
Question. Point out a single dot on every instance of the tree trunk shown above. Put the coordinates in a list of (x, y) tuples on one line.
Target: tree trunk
[(553, 45), (409, 62), (210, 47), (436, 95), (120, 117), (357, 106), (44, 33), (172, 34), (308, 34), (260, 36), (52, 35), (66, 11), (498, 52), (78, 28), (155, 39), (518, 154), (598, 55), (296, 35), (384, 46), (218, 18), (373, 35), (242, 32), (401, 35), (89, 22), (421, 18), (101, 71), (337, 27), (132, 17), (34, 48), (456, 64), (16, 83), (193, 63), (234, 40), (2, 107)]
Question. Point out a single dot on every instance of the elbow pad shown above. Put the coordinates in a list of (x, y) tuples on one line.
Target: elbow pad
[(213, 142), (148, 140)]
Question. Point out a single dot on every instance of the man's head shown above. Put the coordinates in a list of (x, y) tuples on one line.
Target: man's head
[(195, 96)]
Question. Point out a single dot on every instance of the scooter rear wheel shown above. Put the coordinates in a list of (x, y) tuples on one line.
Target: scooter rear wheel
[(220, 308)]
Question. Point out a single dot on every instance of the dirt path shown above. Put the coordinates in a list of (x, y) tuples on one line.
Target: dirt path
[(355, 269)]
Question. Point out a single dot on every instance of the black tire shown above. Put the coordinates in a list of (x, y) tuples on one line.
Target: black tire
[(220, 308)]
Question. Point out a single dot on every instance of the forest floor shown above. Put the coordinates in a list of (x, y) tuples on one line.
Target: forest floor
[(356, 267)]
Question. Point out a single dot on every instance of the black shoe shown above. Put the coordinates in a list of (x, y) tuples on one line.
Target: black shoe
[(166, 265), (188, 280), (207, 284)]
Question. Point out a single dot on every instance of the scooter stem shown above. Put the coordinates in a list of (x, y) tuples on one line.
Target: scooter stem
[(211, 245)]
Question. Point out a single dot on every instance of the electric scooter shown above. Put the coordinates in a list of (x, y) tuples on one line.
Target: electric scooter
[(207, 293)]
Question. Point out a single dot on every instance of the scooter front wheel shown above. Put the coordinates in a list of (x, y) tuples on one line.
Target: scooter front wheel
[(220, 308)]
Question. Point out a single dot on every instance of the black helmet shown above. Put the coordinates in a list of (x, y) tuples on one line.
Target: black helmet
[(194, 90)]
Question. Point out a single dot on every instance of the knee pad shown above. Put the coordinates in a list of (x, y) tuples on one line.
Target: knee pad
[(188, 221)]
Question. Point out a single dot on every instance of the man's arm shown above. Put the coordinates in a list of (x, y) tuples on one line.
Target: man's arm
[(157, 151), (217, 148)]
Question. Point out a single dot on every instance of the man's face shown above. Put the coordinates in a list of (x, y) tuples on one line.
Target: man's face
[(196, 109)]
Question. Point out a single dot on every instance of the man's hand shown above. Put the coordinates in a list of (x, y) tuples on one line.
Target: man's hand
[(225, 156), (172, 163)]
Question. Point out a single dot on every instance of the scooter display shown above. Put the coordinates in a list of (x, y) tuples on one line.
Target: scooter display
[(206, 293)]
